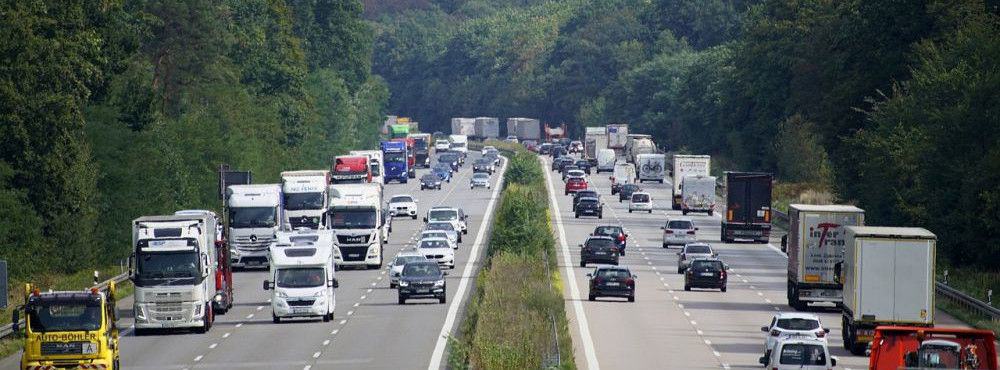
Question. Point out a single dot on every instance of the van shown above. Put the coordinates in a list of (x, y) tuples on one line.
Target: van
[(605, 160)]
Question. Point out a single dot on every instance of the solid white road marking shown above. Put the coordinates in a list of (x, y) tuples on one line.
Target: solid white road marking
[(342, 322)]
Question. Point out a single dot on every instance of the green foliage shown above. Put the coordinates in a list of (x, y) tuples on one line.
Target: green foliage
[(799, 155)]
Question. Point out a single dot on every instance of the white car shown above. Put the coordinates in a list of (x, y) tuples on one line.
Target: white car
[(396, 266), (575, 174), (449, 214), (789, 324), (479, 179), (439, 250), (511, 139), (487, 149), (692, 251), (640, 202), (448, 228), (442, 145), (403, 205), (679, 231), (799, 353), (438, 234)]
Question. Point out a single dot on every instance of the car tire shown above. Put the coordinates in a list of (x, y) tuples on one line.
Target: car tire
[(631, 298), (630, 211), (591, 297), (680, 270), (577, 215), (327, 317), (443, 299), (650, 211), (684, 212), (401, 299), (392, 285), (723, 289), (583, 263), (414, 217), (600, 215), (665, 245), (275, 319), (687, 288)]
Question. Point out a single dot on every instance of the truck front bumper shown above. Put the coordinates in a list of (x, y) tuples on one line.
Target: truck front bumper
[(169, 316), (62, 364), (281, 307), (249, 258)]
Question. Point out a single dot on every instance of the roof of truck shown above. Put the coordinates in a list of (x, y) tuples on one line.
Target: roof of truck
[(825, 207), (891, 232)]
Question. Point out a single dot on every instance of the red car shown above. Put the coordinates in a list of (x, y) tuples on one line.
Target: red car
[(575, 184)]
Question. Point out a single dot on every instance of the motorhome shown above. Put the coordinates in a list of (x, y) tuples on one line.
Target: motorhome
[(302, 277)]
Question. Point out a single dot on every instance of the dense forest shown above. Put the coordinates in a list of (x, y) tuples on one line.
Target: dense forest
[(114, 109), (892, 105)]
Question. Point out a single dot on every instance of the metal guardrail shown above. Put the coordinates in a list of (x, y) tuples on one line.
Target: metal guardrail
[(8, 329)]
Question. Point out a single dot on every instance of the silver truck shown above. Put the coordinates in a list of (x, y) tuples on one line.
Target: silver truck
[(815, 245), (698, 194), (524, 128)]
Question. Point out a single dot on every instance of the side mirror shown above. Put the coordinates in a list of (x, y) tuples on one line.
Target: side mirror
[(425, 219), (678, 253), (334, 283), (15, 321), (715, 254), (268, 285), (635, 276), (764, 329), (726, 267), (762, 360), (131, 265), (580, 245), (663, 227)]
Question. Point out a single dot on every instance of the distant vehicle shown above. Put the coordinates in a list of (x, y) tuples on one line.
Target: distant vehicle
[(441, 145), (614, 232), (594, 140), (584, 194), (427, 234), (305, 198), (449, 214), (748, 207), (487, 148), (453, 160), (459, 143), (589, 207), (422, 280), (569, 167), (625, 192), (709, 273), (511, 139), (431, 181), (799, 354), (584, 165), (545, 148), (792, 324), (575, 184), (493, 156), (524, 128), (438, 250), (421, 148), (639, 202), (482, 165), (396, 266), (606, 160), (687, 165), (608, 281), (558, 151), (599, 249), (575, 174), (358, 219), (480, 180), (395, 161), (530, 145), (403, 205), (559, 163), (698, 194), (255, 212), (486, 128), (899, 347), (692, 251), (576, 146), (815, 241), (679, 231), (447, 227), (350, 169), (652, 167), (624, 173), (443, 173)]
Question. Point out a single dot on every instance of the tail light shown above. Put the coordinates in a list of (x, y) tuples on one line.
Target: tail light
[(630, 282), (821, 334), (775, 332), (621, 237), (767, 216), (722, 274), (218, 280), (668, 231), (691, 232), (729, 215)]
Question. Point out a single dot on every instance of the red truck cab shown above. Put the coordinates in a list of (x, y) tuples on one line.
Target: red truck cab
[(351, 169), (905, 347)]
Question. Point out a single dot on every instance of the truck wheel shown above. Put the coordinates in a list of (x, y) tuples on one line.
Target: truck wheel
[(577, 215), (684, 212), (583, 263), (630, 211), (443, 299), (327, 317), (591, 297), (402, 299)]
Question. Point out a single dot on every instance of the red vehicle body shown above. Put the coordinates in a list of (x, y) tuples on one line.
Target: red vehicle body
[(411, 157), (351, 169), (904, 347), (575, 184)]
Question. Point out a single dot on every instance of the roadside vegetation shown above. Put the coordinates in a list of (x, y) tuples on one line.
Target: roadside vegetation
[(516, 318)]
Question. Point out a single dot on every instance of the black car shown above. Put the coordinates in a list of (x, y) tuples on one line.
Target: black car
[(493, 156), (451, 159), (625, 192), (584, 165), (558, 163), (558, 151), (545, 148), (430, 181), (483, 165), (584, 194), (706, 273), (607, 281), (422, 280), (599, 249), (589, 207), (614, 232)]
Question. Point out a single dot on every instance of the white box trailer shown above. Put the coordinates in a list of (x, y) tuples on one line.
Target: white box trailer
[(815, 245), (594, 140), (888, 276), (698, 194), (687, 165), (524, 128), (463, 126), (486, 128), (651, 167), (617, 136)]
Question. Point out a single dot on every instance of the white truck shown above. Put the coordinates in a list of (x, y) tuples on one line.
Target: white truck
[(595, 139), (255, 214), (524, 128), (302, 277), (888, 277), (637, 145), (487, 128), (359, 224), (459, 143), (815, 245), (374, 161), (173, 266), (652, 167), (687, 165), (463, 126), (606, 160), (305, 198), (698, 194)]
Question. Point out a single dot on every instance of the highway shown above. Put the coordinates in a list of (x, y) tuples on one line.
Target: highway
[(369, 331), (667, 327)]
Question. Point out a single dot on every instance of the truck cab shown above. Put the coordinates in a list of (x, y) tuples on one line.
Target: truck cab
[(374, 162), (302, 275), (255, 212), (395, 161), (305, 198), (358, 223), (411, 156), (460, 144), (74, 329), (350, 169), (422, 149), (908, 347)]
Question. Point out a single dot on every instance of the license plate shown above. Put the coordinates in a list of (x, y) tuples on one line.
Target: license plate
[(600, 253), (354, 255), (423, 290), (707, 274), (612, 284), (300, 310)]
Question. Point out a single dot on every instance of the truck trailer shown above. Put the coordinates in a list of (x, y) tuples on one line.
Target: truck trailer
[(524, 128), (686, 165), (617, 136), (421, 149), (748, 207), (486, 128), (463, 126), (595, 139), (815, 245)]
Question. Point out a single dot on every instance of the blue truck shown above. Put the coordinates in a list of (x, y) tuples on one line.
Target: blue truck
[(394, 158)]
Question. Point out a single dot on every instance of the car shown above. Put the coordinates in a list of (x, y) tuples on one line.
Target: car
[(545, 148), (487, 148), (693, 251), (479, 179), (565, 169), (584, 194), (422, 280), (453, 160), (707, 273), (482, 165), (448, 227), (443, 173), (574, 174), (615, 232), (530, 145), (448, 214), (575, 184), (558, 151), (438, 250), (576, 146), (493, 156), (612, 281), (798, 353), (589, 207), (789, 324), (679, 231), (511, 139), (403, 205), (442, 145), (452, 239), (640, 201), (431, 181), (584, 165), (626, 190), (600, 249), (396, 266), (558, 163)]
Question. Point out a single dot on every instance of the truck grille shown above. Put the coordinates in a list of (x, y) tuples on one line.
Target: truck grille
[(63, 348), (300, 303), (168, 297), (353, 239), (244, 243), (304, 222), (351, 254)]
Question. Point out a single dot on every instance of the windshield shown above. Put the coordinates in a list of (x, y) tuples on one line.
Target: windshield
[(682, 225), (403, 260), (65, 316), (598, 243), (698, 249), (802, 354), (435, 234), (301, 277), (588, 201), (443, 215), (245, 217), (401, 199), (441, 143), (300, 201), (421, 269), (608, 230), (481, 176), (353, 219), (457, 145), (166, 268), (706, 265), (447, 226), (434, 244), (798, 324), (640, 198), (395, 157), (376, 169)]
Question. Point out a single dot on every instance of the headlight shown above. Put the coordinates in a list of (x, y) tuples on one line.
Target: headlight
[(88, 348), (439, 283), (404, 283), (318, 294), (280, 294)]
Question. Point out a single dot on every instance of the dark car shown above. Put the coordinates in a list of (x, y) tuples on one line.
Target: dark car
[(493, 156), (545, 148), (599, 249), (558, 151), (442, 171), (483, 165), (558, 163), (706, 273), (584, 165), (422, 280), (430, 181), (608, 281), (589, 207), (614, 232), (451, 159), (584, 194), (625, 192)]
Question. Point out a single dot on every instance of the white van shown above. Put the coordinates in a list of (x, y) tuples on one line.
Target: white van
[(605, 160), (302, 277)]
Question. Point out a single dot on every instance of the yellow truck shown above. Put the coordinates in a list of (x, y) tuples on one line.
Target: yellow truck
[(69, 330)]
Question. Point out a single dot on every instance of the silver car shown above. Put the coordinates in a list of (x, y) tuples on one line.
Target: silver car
[(396, 266), (692, 251), (448, 228), (679, 231), (479, 179)]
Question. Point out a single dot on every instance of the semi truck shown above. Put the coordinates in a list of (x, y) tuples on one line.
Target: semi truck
[(224, 272), (174, 267), (350, 169), (748, 207), (255, 214), (302, 277), (411, 156), (698, 194), (463, 126), (305, 198), (358, 223), (398, 131), (69, 329), (422, 149), (554, 132), (459, 144), (374, 163), (652, 167), (395, 161), (594, 140), (687, 165), (524, 128), (888, 278), (617, 137), (815, 245), (487, 128), (638, 144)]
